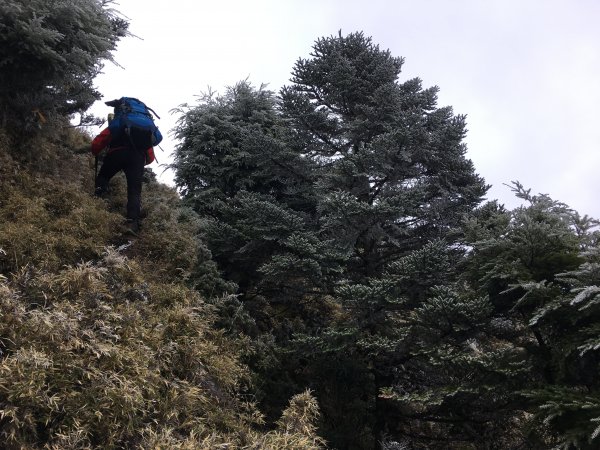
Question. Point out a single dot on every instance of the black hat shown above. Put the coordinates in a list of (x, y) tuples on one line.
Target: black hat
[(113, 103)]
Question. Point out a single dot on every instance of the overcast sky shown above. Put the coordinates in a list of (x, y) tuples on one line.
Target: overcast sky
[(525, 72)]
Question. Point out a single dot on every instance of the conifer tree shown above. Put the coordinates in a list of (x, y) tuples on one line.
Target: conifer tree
[(240, 167), (344, 196), (566, 323), (541, 272), (392, 168), (394, 185), (50, 52), (513, 366)]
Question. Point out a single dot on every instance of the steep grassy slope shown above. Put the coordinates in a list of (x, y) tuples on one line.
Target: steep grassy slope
[(102, 342)]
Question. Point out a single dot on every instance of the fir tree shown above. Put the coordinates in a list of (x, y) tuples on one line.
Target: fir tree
[(336, 209), (510, 363), (394, 185), (542, 272), (239, 166), (50, 52), (392, 168)]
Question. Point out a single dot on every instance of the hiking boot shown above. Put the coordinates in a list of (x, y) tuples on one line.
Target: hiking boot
[(101, 192), (133, 225)]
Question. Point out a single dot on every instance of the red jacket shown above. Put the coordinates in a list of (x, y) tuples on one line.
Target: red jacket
[(104, 139)]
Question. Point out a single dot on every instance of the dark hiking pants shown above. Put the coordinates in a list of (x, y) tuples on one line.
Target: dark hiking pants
[(132, 163)]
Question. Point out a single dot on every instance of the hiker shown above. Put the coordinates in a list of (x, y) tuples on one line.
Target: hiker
[(129, 139)]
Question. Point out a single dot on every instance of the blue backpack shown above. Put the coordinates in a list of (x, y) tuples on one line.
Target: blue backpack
[(133, 118)]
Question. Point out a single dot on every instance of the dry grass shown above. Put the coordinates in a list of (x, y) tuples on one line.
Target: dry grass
[(102, 345)]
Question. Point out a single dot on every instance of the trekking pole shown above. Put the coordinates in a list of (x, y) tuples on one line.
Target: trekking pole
[(109, 119), (162, 150), (95, 171)]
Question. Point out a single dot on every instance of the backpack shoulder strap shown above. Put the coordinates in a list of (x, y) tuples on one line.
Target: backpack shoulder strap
[(145, 106), (153, 112)]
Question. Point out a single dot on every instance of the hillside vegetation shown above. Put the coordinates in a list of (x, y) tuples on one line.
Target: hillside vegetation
[(328, 272), (102, 344)]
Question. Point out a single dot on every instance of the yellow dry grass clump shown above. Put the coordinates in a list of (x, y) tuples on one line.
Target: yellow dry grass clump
[(102, 342)]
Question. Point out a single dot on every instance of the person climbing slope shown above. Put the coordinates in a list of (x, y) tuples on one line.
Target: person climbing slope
[(129, 139)]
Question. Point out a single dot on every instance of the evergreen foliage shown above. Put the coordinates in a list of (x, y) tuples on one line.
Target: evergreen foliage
[(334, 207), (50, 52), (394, 186), (367, 270), (533, 263), (106, 341), (239, 168), (393, 173), (330, 260), (102, 342)]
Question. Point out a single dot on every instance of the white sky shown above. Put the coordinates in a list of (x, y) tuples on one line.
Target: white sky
[(525, 72)]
